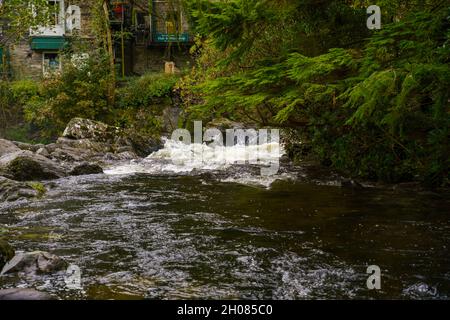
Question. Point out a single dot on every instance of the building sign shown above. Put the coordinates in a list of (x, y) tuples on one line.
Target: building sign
[(165, 37)]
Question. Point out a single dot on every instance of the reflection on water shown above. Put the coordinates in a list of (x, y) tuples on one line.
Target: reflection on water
[(173, 237)]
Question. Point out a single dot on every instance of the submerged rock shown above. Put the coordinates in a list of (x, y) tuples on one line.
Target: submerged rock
[(24, 294), (27, 166), (6, 253), (7, 147), (11, 190), (85, 169), (37, 262)]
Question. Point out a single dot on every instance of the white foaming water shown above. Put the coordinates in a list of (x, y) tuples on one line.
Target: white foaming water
[(178, 157)]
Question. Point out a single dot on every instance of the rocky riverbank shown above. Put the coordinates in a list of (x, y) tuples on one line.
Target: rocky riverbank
[(85, 147)]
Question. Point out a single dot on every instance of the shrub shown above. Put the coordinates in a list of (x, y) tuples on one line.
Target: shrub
[(379, 112), (13, 96), (141, 102), (80, 91)]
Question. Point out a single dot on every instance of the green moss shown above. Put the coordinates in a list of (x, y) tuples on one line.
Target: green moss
[(39, 187), (23, 168)]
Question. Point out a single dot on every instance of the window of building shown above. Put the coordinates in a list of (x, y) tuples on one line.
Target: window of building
[(51, 63), (55, 10)]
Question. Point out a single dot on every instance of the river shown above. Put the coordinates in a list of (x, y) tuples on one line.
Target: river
[(151, 229)]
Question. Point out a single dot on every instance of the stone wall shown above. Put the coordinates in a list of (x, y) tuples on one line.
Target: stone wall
[(26, 63), (153, 59)]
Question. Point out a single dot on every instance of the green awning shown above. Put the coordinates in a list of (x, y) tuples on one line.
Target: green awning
[(48, 43)]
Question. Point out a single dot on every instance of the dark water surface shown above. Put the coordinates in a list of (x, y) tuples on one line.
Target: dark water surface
[(173, 237)]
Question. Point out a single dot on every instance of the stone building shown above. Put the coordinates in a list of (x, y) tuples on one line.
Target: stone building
[(157, 32)]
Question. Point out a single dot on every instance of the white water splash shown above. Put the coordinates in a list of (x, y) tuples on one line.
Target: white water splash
[(180, 158)]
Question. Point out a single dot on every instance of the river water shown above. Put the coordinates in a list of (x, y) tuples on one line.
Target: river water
[(157, 230)]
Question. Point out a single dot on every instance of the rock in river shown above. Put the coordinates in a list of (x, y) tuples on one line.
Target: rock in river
[(37, 262), (98, 138), (27, 166), (24, 294), (14, 190)]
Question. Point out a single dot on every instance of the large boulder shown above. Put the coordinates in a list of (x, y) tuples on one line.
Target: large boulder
[(85, 145), (37, 262), (24, 294), (27, 166), (7, 147), (6, 253), (94, 139), (79, 128), (14, 190), (139, 144)]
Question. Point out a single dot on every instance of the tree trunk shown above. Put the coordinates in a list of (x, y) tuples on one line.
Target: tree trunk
[(110, 45)]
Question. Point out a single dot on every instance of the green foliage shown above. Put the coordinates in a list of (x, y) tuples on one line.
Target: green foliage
[(25, 132), (80, 91), (141, 102), (13, 96), (23, 90), (146, 90), (262, 29), (39, 187), (401, 106), (17, 17), (277, 93), (377, 109)]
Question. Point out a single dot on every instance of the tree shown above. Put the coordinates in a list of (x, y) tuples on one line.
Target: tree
[(104, 38), (18, 17), (372, 104)]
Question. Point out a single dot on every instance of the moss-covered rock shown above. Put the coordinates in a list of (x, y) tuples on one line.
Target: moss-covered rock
[(37, 262), (79, 128), (27, 166), (14, 190)]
